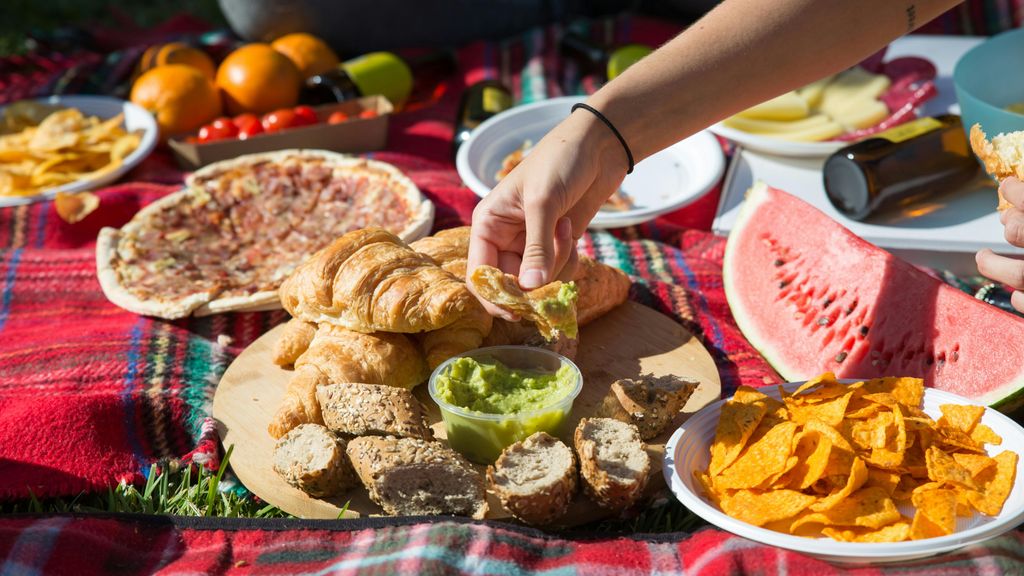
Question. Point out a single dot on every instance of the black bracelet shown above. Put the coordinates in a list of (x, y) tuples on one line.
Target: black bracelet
[(608, 123)]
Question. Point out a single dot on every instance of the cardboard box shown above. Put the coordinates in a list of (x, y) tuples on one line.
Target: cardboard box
[(354, 135)]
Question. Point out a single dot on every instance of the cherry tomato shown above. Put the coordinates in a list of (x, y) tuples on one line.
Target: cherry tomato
[(368, 113), (278, 120), (219, 129), (248, 125), (337, 117), (304, 116)]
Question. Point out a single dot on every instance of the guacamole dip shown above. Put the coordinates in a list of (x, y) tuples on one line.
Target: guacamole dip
[(487, 385), (560, 309)]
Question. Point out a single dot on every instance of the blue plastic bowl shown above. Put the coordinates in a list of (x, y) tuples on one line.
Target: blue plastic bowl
[(987, 79)]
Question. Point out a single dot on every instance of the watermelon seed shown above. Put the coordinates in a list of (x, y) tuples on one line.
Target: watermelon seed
[(863, 330), (778, 262), (824, 321), (783, 284), (826, 303), (954, 356), (840, 357)]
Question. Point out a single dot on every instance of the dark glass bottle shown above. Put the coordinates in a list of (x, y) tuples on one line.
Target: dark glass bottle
[(900, 166), (479, 102)]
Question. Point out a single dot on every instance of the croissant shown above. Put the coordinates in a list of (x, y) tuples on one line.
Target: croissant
[(524, 333), (466, 333), (293, 342), (448, 248), (370, 281), (552, 306), (601, 288), (338, 356)]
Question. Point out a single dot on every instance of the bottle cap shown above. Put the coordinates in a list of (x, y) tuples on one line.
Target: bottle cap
[(381, 73), (846, 185)]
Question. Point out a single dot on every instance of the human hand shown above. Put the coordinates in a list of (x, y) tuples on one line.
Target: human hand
[(1009, 271), (528, 225)]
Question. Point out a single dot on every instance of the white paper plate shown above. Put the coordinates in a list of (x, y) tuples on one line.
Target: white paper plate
[(777, 146), (666, 181), (687, 451), (135, 118)]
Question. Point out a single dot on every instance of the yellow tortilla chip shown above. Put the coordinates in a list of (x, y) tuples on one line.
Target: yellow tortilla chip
[(896, 532), (759, 508), (860, 410), (944, 469), (884, 479), (976, 464), (960, 416), (982, 434), (869, 508), (812, 451), (828, 411), (704, 481), (991, 495), (907, 391), (939, 508), (760, 460), (858, 476), (825, 378), (952, 439), (740, 417)]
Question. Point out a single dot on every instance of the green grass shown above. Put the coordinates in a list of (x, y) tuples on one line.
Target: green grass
[(23, 17)]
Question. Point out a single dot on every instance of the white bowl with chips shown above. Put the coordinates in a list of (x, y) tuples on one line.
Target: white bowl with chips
[(103, 107), (687, 451), (662, 183)]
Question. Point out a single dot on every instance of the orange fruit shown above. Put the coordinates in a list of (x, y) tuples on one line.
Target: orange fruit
[(256, 78), (177, 53), (180, 97), (309, 54)]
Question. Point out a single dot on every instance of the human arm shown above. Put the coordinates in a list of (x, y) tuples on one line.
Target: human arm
[(741, 53)]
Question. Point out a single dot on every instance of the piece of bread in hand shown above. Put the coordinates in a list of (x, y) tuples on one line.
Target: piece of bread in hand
[(648, 402), (294, 340), (614, 465), (1003, 156), (312, 459), (535, 478), (412, 476), (356, 409)]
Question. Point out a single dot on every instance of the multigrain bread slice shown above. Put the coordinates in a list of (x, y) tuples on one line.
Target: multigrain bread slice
[(535, 478), (613, 463), (1003, 156), (412, 476), (648, 402), (312, 459), (357, 409)]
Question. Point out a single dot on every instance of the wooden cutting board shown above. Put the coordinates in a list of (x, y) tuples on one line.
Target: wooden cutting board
[(628, 341)]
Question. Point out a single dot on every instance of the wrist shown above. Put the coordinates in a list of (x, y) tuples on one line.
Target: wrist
[(600, 140)]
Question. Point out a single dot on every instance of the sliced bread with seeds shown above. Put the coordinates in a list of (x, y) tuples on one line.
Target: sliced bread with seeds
[(412, 476), (648, 402), (370, 409), (312, 459), (614, 466), (535, 478)]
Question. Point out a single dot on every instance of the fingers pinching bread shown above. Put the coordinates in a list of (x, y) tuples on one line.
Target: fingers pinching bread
[(369, 409), (650, 403), (411, 476), (312, 459), (370, 281), (535, 478), (601, 288), (552, 306), (1003, 156), (614, 466), (294, 340)]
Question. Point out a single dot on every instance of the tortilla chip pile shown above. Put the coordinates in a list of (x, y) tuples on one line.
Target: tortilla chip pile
[(66, 146), (838, 460)]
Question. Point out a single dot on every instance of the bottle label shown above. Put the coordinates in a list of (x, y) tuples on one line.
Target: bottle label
[(495, 100), (910, 130)]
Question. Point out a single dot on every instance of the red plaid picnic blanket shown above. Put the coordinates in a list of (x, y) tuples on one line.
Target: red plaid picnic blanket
[(91, 394)]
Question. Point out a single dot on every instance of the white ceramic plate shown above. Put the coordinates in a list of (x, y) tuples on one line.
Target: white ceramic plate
[(687, 451), (776, 146), (664, 182), (135, 118)]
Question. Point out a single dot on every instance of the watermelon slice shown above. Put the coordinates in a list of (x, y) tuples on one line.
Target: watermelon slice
[(813, 297)]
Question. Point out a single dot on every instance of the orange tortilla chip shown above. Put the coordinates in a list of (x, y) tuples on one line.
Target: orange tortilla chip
[(960, 416), (896, 532), (869, 508), (992, 494), (884, 479), (944, 469), (759, 508), (939, 508), (828, 411), (812, 451), (861, 410), (740, 417), (760, 460), (907, 391), (858, 476), (982, 434), (976, 464), (822, 379), (953, 439)]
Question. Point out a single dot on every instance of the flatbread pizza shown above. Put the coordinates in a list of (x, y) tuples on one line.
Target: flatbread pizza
[(240, 227)]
